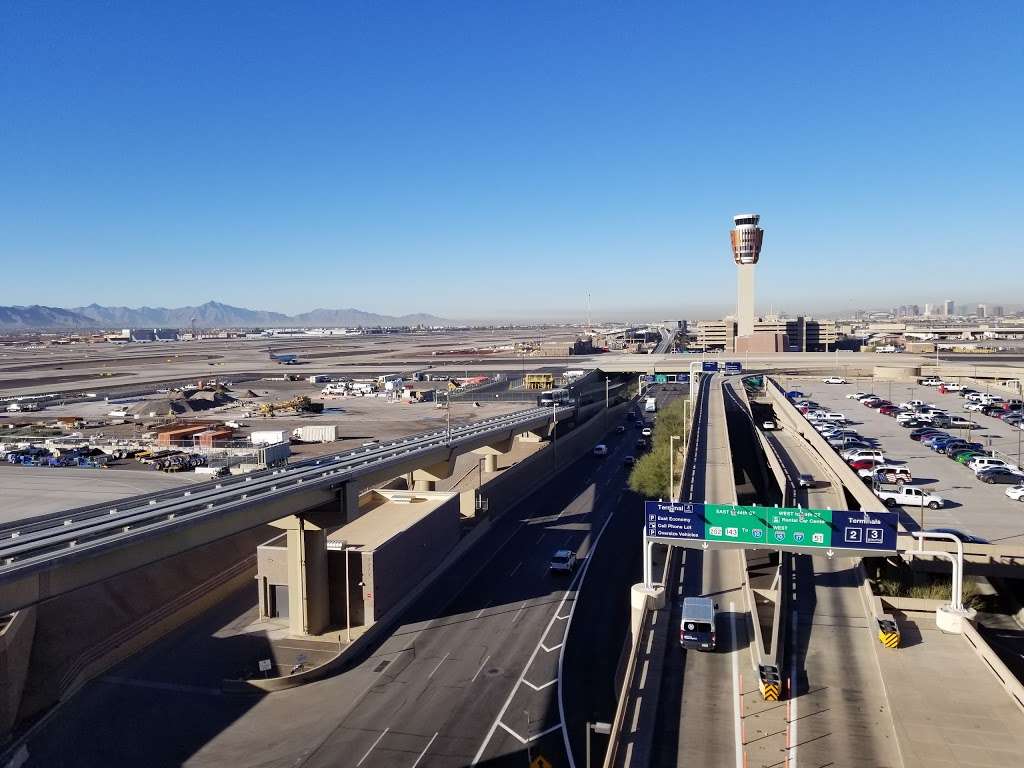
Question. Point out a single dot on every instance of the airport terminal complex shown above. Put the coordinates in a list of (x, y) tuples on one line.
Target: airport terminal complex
[(745, 541)]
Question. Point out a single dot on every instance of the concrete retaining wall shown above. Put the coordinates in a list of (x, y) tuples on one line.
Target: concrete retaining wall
[(16, 634)]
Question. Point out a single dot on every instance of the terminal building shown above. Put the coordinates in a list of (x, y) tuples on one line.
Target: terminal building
[(799, 334)]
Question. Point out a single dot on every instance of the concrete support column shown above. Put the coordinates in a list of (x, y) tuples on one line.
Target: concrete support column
[(308, 591), (348, 497), (425, 485), (490, 463)]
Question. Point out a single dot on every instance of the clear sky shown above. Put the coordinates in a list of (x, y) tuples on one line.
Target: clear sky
[(500, 159)]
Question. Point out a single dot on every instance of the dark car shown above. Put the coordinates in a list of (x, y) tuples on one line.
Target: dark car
[(1001, 475), (794, 394), (965, 392), (889, 410), (919, 434), (966, 538), (993, 410), (956, 444), (941, 444), (913, 423), (877, 403)]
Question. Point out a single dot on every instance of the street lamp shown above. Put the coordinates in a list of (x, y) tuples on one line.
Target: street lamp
[(671, 467), (602, 728)]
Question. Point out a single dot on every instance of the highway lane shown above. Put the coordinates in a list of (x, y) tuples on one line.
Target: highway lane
[(697, 721), (470, 671), (841, 708)]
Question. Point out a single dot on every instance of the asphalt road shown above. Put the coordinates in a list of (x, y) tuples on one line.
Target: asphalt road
[(470, 676)]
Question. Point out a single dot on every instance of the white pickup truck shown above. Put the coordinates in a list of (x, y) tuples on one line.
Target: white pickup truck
[(910, 497)]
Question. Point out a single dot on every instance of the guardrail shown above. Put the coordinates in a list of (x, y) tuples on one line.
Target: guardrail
[(40, 543)]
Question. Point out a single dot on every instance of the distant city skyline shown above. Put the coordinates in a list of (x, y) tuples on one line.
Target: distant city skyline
[(488, 162)]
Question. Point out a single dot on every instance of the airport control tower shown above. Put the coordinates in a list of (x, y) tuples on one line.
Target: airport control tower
[(746, 250)]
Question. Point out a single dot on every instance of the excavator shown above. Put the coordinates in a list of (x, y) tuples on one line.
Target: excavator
[(300, 404)]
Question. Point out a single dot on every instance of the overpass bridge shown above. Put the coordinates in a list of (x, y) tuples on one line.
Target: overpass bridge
[(44, 557)]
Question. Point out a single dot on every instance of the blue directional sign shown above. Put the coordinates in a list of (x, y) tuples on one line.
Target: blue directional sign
[(733, 367), (709, 366), (648, 378), (787, 528), (682, 378)]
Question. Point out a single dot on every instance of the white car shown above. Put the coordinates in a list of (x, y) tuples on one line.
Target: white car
[(769, 425), (1016, 492), (953, 387), (981, 463), (835, 418), (911, 497), (931, 382), (912, 405), (857, 395), (855, 454), (646, 432), (834, 380), (974, 406), (601, 450)]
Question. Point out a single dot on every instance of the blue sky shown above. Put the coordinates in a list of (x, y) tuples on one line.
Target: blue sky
[(499, 160)]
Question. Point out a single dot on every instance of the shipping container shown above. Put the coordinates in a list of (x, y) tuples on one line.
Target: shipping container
[(268, 436), (318, 433)]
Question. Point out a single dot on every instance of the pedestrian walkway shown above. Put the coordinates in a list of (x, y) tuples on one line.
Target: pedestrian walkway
[(948, 707)]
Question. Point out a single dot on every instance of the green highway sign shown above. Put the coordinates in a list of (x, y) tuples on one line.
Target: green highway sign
[(660, 378), (783, 527)]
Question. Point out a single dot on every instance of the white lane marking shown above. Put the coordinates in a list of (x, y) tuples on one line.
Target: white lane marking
[(536, 736), (737, 715), (539, 687), (481, 611), (539, 538), (792, 694), (382, 735), (552, 648), (521, 607), (425, 750), (484, 664), (514, 570), (442, 661), (511, 694)]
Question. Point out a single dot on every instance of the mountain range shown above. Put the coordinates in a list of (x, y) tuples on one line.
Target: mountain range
[(212, 314)]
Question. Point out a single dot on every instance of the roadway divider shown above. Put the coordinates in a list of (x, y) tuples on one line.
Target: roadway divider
[(1006, 678), (507, 489)]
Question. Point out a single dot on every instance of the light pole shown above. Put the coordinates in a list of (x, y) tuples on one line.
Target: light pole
[(606, 382), (348, 607), (602, 728), (671, 465)]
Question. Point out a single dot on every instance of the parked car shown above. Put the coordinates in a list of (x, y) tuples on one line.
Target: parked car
[(913, 405), (864, 396), (620, 429), (887, 473), (1016, 492), (962, 457), (601, 450), (931, 382), (912, 423), (857, 395), (629, 461), (834, 380), (889, 410), (974, 406), (869, 464), (952, 386), (1001, 475), (910, 497), (876, 403), (769, 425), (979, 463), (646, 431), (923, 432), (930, 440), (863, 453)]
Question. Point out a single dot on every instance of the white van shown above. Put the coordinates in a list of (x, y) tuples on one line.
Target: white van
[(834, 417), (856, 454), (981, 463)]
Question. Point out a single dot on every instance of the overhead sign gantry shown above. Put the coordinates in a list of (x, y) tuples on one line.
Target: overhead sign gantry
[(808, 531)]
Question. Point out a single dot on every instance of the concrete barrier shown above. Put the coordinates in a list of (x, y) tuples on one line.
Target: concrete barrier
[(16, 634), (1002, 673)]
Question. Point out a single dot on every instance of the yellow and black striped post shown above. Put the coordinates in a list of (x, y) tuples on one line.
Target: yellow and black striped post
[(770, 682), (888, 631)]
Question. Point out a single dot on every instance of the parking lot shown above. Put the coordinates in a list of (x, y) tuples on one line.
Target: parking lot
[(972, 506)]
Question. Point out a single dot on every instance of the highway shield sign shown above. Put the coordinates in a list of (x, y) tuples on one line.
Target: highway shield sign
[(788, 528)]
